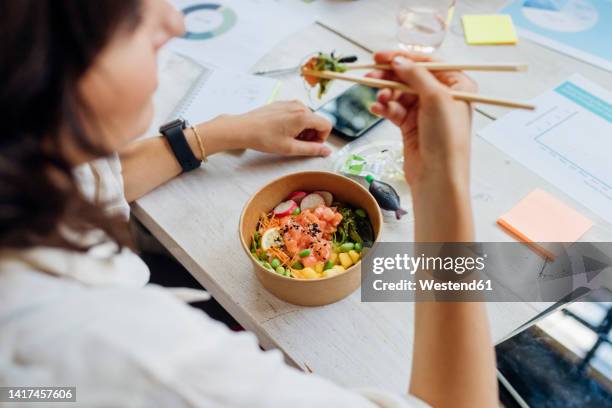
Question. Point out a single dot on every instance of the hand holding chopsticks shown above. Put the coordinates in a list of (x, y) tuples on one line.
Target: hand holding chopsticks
[(431, 66)]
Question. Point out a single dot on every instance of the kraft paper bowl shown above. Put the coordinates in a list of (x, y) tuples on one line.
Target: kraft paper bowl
[(312, 292)]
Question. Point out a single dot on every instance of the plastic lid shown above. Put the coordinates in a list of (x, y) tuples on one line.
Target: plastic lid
[(369, 178)]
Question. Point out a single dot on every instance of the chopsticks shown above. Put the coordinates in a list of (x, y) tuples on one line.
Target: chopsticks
[(383, 83), (432, 66), (445, 66)]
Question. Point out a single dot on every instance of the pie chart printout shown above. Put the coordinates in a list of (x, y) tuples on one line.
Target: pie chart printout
[(205, 21), (559, 15), (581, 29)]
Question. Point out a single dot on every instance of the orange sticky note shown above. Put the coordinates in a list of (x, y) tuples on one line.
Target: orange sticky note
[(540, 217)]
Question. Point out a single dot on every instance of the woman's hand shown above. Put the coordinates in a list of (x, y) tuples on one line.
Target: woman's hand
[(449, 338), (435, 127), (436, 131), (286, 128)]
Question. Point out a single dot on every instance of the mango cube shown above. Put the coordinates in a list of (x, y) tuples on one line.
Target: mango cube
[(309, 273), (334, 258), (345, 260), (355, 256), (336, 270), (319, 267)]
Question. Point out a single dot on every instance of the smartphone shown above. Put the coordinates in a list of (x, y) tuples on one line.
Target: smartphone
[(562, 359), (350, 113)]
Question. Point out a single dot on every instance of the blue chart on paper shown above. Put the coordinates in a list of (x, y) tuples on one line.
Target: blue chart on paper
[(205, 21), (580, 28)]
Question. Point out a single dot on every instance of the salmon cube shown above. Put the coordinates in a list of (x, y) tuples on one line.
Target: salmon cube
[(309, 261)]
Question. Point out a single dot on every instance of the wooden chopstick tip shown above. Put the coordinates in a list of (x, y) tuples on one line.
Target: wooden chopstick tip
[(522, 68)]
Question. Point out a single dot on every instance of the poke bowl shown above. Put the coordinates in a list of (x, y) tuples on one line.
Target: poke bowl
[(306, 233)]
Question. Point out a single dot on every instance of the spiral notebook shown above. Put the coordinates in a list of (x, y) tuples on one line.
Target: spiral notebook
[(217, 92)]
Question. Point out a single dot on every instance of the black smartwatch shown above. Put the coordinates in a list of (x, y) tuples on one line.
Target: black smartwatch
[(173, 131)]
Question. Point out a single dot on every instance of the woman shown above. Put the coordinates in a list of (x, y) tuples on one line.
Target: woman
[(77, 81)]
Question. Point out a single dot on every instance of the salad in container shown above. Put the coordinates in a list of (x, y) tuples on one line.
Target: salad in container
[(310, 236), (306, 234)]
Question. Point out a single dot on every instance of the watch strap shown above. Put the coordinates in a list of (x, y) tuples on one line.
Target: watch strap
[(179, 145)]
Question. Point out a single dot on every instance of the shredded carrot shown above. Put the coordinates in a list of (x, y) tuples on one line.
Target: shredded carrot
[(267, 221), (280, 255)]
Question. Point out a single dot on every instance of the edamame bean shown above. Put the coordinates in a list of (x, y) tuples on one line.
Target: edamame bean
[(304, 253), (358, 247), (280, 270), (361, 213), (347, 246), (328, 265), (275, 263), (267, 265)]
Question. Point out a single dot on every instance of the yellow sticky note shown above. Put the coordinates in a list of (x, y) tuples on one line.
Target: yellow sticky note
[(481, 29), (540, 218)]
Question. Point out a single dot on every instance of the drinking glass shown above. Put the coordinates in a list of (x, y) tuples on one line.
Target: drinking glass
[(422, 24)]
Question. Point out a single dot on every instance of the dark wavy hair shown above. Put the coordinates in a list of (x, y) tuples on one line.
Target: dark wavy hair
[(46, 46)]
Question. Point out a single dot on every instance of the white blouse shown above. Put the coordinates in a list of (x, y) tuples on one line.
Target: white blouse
[(89, 320)]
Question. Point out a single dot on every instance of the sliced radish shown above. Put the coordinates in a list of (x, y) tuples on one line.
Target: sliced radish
[(312, 201), (297, 196), (285, 208), (271, 238), (327, 196)]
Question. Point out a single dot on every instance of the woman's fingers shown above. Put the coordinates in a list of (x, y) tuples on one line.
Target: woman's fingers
[(311, 131), (384, 95), (322, 126), (389, 103), (378, 74), (297, 147), (457, 80), (385, 57), (418, 78), (301, 123), (394, 111), (453, 79)]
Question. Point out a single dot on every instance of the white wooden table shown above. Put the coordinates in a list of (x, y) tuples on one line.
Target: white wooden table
[(356, 344)]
